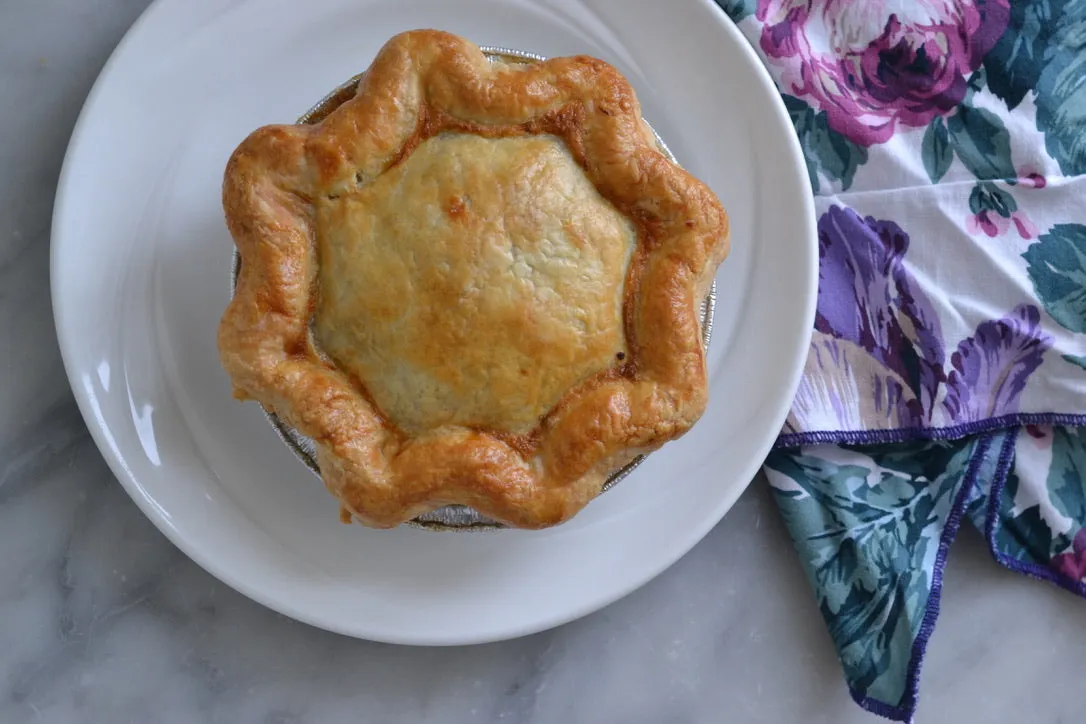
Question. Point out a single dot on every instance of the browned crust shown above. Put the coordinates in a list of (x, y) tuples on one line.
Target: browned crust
[(421, 83)]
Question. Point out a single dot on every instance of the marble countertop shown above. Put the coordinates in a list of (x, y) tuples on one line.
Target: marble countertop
[(105, 621)]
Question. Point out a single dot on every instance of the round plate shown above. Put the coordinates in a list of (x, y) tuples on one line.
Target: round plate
[(139, 249)]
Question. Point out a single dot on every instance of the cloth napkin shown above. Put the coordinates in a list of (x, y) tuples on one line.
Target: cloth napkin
[(946, 379)]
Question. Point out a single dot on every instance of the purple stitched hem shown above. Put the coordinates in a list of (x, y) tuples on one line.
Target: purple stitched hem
[(1034, 570), (906, 709), (881, 708), (912, 434)]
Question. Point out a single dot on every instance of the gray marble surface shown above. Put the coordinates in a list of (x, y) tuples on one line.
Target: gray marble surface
[(102, 620)]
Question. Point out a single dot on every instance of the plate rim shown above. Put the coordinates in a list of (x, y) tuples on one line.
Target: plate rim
[(86, 400)]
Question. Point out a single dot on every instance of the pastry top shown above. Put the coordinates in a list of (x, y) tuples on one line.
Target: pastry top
[(472, 282)]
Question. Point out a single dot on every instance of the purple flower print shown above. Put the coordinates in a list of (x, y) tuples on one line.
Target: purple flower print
[(877, 358), (845, 387), (873, 64), (1073, 563), (990, 369), (866, 296)]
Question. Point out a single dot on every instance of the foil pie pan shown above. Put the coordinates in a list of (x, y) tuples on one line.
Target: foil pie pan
[(450, 517)]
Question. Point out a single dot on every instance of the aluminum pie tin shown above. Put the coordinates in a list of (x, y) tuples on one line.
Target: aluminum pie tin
[(449, 517)]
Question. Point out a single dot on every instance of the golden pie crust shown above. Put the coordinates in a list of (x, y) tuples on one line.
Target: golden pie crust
[(472, 283)]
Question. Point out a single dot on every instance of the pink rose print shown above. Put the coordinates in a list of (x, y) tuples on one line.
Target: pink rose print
[(1041, 436), (1033, 180), (1073, 563), (872, 64), (1025, 227), (992, 211), (988, 222), (992, 224)]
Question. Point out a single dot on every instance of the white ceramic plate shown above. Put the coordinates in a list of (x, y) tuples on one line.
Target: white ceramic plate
[(140, 275)]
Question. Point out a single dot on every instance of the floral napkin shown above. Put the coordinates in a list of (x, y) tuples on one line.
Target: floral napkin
[(946, 379)]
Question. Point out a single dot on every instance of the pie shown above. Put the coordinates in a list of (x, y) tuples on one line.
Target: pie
[(473, 282)]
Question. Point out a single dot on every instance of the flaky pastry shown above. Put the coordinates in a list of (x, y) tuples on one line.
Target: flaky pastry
[(472, 283)]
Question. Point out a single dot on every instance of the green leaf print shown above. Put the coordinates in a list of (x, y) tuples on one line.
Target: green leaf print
[(1075, 360), (986, 196), (1026, 535), (738, 10), (827, 152), (936, 150), (1061, 94), (1057, 268), (976, 82), (1014, 65), (1043, 50), (1065, 476), (981, 142), (867, 524)]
